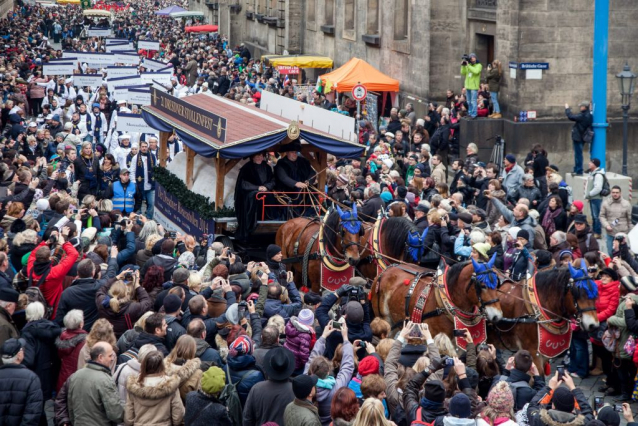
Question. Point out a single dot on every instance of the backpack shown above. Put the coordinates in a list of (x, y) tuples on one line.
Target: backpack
[(418, 421), (514, 387), (230, 398), (588, 135), (606, 189)]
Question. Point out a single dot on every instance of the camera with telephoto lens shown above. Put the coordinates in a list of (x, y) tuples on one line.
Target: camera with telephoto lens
[(128, 276), (619, 238), (465, 58), (355, 293)]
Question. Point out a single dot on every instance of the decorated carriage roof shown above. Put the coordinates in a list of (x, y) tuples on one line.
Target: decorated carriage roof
[(215, 126)]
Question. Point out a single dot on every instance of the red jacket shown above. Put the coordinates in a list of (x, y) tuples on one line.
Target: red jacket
[(53, 285), (608, 299)]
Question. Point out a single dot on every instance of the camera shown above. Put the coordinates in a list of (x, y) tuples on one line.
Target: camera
[(465, 57), (561, 371), (336, 325), (449, 362), (599, 402), (128, 276), (619, 238), (618, 408), (241, 308), (459, 333), (362, 344), (172, 234), (482, 347)]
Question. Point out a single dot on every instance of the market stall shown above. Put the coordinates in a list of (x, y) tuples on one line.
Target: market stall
[(296, 65), (171, 9)]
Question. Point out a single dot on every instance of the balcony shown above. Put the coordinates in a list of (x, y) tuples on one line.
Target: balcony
[(372, 39), (235, 8), (250, 15), (212, 4), (328, 29)]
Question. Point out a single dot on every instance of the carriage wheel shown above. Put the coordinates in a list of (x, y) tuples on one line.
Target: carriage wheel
[(226, 241)]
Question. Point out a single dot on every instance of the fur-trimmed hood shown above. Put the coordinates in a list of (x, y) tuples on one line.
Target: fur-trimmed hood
[(154, 388), (294, 321), (561, 418), (183, 372), (68, 340)]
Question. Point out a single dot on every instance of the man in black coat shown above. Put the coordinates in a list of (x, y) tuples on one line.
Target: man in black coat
[(180, 279), (294, 173), (5, 279), (370, 209), (81, 293), (420, 218), (21, 401), (172, 308), (582, 122), (254, 176)]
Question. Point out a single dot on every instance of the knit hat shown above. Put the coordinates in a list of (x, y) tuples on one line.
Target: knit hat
[(302, 385), (388, 162), (411, 353), (9, 295), (369, 365), (172, 303), (608, 416), (500, 398), (42, 204), (565, 253), (241, 346), (563, 399), (629, 283), (272, 251), (434, 391), (579, 205), (213, 380), (482, 248), (354, 312), (89, 233), (410, 197), (523, 234), (187, 259), (610, 273), (232, 313), (460, 406), (510, 158), (306, 317), (386, 197)]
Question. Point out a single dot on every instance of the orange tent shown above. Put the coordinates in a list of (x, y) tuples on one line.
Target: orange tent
[(357, 71)]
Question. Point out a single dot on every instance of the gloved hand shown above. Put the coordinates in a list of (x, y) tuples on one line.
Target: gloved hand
[(343, 290)]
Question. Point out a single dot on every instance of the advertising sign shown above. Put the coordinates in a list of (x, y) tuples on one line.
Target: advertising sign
[(172, 215)]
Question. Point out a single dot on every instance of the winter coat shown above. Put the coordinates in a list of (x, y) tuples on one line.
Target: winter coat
[(69, 345), (189, 373), (167, 262), (493, 79), (533, 194), (129, 311), (21, 402), (243, 367), (616, 214), (539, 415), (121, 375), (472, 73), (93, 398), (499, 263), (583, 120), (439, 174), (8, 328), (277, 307), (492, 212), (586, 241), (147, 338), (608, 299), (523, 394), (205, 410), (174, 331), (370, 208), (40, 354), (555, 250), (52, 286), (327, 387), (528, 223), (299, 339), (618, 320), (267, 402), (207, 355), (512, 179), (301, 413), (156, 402), (81, 295)]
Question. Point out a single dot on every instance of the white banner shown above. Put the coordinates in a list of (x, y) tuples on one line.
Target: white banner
[(99, 32), (160, 77), (152, 65), (131, 123), (102, 59), (123, 81), (112, 40), (91, 80), (121, 92), (126, 58), (116, 46), (139, 97), (59, 68), (148, 44), (116, 72)]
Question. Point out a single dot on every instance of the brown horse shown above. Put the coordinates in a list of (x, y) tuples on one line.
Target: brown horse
[(390, 240), (467, 290), (561, 294), (306, 241)]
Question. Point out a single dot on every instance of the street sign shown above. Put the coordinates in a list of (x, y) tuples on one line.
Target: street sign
[(359, 92)]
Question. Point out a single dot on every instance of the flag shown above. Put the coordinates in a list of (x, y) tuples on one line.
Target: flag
[(286, 80), (318, 88), (328, 87)]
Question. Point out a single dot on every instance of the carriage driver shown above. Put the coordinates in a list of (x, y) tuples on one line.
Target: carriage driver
[(293, 173)]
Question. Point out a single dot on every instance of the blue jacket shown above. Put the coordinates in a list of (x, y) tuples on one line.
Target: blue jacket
[(243, 366), (274, 307), (20, 396), (123, 199)]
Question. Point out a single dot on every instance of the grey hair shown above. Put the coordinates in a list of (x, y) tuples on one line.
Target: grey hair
[(145, 350), (217, 247), (73, 319), (12, 360), (374, 189), (149, 228), (34, 311), (4, 304), (528, 177)]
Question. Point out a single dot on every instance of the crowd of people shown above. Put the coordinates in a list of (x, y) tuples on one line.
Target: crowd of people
[(113, 319)]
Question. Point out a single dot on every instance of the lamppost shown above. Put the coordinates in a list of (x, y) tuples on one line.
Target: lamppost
[(626, 84)]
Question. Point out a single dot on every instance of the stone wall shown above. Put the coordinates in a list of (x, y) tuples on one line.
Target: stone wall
[(5, 7)]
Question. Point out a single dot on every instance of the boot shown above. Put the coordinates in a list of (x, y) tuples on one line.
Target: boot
[(496, 115), (598, 369)]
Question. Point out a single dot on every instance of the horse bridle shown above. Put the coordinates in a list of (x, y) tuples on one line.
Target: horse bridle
[(344, 245), (479, 286), (574, 289)]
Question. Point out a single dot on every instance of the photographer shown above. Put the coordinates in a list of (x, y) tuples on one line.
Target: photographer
[(124, 238), (355, 310), (276, 301), (471, 68)]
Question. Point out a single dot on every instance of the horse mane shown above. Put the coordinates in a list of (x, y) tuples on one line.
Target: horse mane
[(397, 228), (331, 229), (552, 283), (455, 270)]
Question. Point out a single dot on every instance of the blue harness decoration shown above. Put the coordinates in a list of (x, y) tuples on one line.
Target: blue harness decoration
[(484, 273), (414, 244), (582, 280), (349, 220)]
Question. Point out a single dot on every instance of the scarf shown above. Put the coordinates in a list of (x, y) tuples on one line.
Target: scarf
[(39, 268), (327, 383), (548, 220), (139, 171), (90, 174), (98, 124), (428, 405), (88, 121)]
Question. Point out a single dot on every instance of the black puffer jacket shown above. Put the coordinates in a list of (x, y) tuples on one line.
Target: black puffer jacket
[(40, 353), (21, 401), (204, 410)]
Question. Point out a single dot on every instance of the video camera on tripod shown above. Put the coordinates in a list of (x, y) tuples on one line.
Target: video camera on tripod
[(498, 151)]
